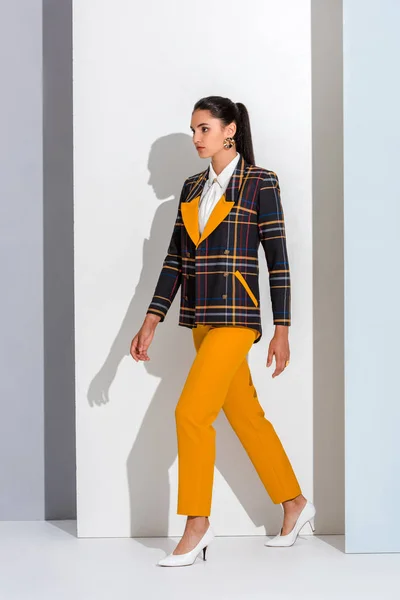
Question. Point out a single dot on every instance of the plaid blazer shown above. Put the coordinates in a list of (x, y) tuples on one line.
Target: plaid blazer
[(218, 270)]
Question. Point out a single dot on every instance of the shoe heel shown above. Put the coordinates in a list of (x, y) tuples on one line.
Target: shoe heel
[(312, 525), (204, 552)]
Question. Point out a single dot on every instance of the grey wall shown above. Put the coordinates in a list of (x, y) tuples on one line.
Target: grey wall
[(59, 386), (328, 264), (36, 304)]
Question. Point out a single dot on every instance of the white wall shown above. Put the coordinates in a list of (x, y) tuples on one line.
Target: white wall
[(138, 70)]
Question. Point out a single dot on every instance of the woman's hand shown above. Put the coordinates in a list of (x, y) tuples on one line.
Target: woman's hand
[(143, 338), (279, 345)]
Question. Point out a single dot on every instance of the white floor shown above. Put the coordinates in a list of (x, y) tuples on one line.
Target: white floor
[(46, 560)]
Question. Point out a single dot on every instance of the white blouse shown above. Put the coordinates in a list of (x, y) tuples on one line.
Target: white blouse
[(213, 189)]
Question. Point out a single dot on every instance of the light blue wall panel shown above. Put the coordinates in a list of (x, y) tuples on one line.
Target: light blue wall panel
[(372, 273)]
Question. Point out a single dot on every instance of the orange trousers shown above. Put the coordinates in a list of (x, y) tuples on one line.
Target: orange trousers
[(220, 378)]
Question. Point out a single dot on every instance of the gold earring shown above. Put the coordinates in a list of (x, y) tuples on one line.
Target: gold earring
[(229, 142)]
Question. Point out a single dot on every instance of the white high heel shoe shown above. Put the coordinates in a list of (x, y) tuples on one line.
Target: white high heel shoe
[(180, 560), (304, 517)]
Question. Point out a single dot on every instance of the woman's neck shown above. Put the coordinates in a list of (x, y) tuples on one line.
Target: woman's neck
[(223, 158)]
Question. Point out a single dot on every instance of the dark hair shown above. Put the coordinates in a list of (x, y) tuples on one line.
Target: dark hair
[(226, 110)]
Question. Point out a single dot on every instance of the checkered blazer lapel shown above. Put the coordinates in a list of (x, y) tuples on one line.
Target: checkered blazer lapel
[(190, 207)]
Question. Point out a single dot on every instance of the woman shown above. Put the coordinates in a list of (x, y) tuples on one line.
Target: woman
[(224, 213)]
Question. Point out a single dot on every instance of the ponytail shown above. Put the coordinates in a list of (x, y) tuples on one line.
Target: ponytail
[(244, 143)]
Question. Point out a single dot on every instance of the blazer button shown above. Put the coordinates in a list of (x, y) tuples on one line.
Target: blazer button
[(226, 251), (226, 274), (186, 297), (187, 253), (224, 295)]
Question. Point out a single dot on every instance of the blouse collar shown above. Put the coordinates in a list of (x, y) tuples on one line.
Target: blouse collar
[(225, 175)]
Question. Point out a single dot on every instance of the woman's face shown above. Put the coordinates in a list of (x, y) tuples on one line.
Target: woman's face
[(208, 133)]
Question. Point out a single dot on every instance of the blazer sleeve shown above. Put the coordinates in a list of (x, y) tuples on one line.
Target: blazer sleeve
[(271, 229), (170, 277)]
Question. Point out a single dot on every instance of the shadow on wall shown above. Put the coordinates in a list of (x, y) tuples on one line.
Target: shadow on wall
[(172, 159)]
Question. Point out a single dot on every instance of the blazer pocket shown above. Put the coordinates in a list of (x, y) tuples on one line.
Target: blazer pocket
[(246, 286)]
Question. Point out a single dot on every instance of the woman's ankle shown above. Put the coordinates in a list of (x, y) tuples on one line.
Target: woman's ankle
[(296, 501), (195, 522)]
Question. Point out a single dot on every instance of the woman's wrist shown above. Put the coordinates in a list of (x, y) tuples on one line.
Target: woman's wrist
[(152, 318), (282, 330)]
